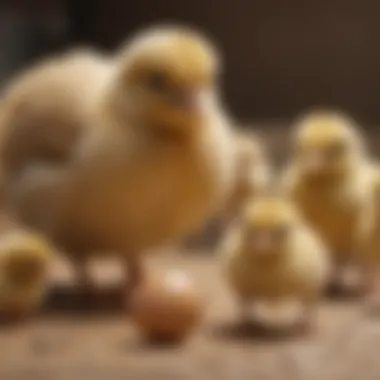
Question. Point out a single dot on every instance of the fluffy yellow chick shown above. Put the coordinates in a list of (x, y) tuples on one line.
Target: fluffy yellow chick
[(24, 260), (330, 178), (154, 161), (271, 255)]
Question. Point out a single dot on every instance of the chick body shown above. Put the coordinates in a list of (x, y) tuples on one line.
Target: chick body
[(146, 196), (299, 271)]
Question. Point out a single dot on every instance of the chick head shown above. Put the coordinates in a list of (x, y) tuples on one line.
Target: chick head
[(268, 224), (24, 257), (169, 75), (327, 145)]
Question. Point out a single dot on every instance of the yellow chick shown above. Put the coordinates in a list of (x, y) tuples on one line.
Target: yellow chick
[(154, 161), (271, 255), (330, 178), (24, 260)]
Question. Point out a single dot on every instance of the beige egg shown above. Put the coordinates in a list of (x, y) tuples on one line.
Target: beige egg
[(167, 308)]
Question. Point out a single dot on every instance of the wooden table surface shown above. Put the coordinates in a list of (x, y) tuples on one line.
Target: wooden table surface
[(106, 346)]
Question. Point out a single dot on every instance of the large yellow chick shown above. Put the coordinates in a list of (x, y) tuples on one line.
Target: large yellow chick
[(330, 178), (153, 158), (272, 256), (24, 262)]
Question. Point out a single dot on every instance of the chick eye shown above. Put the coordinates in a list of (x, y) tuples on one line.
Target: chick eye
[(157, 81)]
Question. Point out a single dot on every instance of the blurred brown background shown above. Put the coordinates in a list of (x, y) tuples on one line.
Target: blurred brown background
[(281, 56)]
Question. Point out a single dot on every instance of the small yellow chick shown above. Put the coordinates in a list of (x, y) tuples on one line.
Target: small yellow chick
[(24, 260), (271, 255), (330, 178), (153, 159)]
